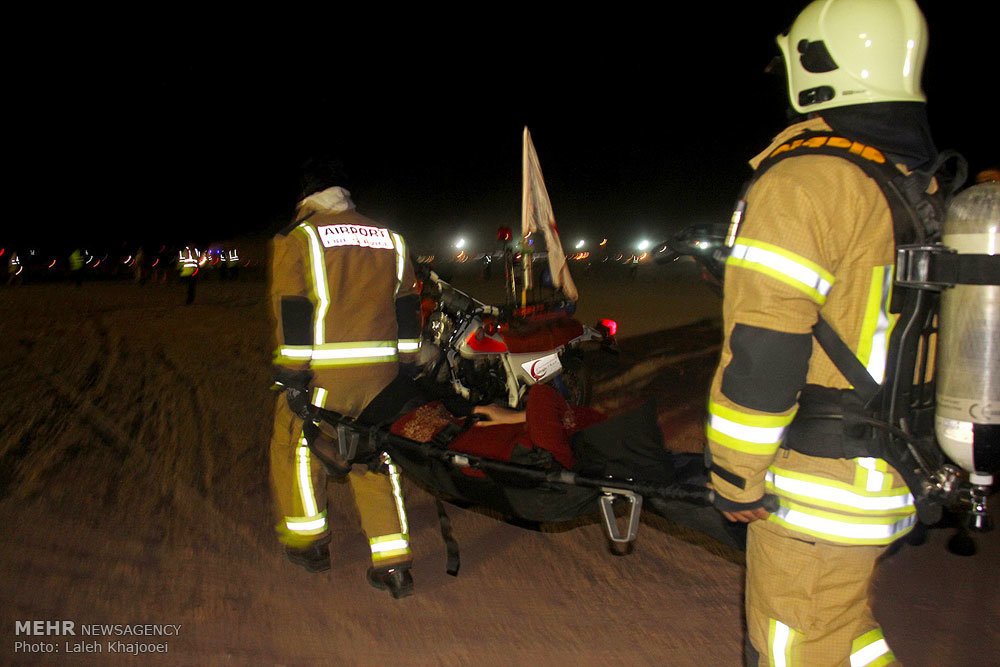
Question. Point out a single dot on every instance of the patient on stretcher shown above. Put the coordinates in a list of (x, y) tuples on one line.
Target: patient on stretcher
[(549, 433), (539, 435)]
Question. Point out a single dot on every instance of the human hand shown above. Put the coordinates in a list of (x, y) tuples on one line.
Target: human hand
[(496, 414), (746, 516)]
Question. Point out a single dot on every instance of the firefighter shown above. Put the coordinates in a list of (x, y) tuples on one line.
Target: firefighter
[(346, 308), (817, 239), (187, 269), (76, 266)]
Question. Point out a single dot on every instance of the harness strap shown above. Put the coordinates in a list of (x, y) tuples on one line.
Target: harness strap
[(845, 360), (450, 543)]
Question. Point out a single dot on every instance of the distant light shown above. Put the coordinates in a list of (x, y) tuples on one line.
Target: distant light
[(604, 242), (643, 244), (580, 244), (460, 243), (52, 264)]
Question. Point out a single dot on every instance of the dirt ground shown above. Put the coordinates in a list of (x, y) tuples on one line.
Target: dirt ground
[(133, 491)]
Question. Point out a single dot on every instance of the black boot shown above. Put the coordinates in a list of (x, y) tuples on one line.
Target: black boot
[(397, 580), (314, 558)]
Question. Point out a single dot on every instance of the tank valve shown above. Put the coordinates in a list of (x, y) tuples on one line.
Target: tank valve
[(979, 518)]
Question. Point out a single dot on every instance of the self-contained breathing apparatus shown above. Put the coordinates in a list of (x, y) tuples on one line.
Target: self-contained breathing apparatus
[(895, 420)]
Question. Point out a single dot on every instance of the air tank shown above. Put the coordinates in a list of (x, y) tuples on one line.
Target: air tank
[(967, 416)]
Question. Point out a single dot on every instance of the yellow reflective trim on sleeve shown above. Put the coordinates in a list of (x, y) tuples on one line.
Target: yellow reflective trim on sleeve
[(756, 449), (783, 265), (756, 421), (871, 650), (747, 433), (408, 345), (293, 354)]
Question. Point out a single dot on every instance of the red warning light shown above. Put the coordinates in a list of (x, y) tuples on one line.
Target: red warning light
[(611, 326)]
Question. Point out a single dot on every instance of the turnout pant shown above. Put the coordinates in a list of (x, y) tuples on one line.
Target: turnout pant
[(807, 601), (298, 484)]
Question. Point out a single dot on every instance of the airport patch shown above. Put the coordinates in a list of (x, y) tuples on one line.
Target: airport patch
[(367, 237)]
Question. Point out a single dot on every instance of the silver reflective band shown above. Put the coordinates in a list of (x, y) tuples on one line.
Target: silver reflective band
[(391, 545), (304, 526), (765, 435), (319, 397), (809, 278), (354, 352), (880, 336), (779, 648), (306, 353), (844, 529), (397, 493), (869, 654), (409, 345), (839, 496), (319, 283)]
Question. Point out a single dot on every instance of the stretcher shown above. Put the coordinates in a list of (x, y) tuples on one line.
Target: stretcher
[(620, 462)]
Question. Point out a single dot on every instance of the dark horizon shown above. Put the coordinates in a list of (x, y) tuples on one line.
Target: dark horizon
[(639, 133)]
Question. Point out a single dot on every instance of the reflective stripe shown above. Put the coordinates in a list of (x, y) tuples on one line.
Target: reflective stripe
[(319, 397), (873, 472), (389, 546), (791, 269), (397, 493), (841, 528), (873, 346), (304, 471), (808, 488), (306, 525), (871, 650), (751, 434), (400, 246), (389, 543), (340, 354), (409, 345), (780, 639), (320, 290), (352, 352)]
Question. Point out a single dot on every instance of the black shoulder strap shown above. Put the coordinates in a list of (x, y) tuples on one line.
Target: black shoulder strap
[(285, 231), (845, 360), (916, 215)]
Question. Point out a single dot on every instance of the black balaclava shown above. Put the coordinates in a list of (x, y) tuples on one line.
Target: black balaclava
[(899, 129)]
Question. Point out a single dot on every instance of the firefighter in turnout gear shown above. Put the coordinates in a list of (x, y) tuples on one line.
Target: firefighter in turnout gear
[(346, 307), (817, 240), (188, 262)]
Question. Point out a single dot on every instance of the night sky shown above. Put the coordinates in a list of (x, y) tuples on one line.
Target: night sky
[(643, 123)]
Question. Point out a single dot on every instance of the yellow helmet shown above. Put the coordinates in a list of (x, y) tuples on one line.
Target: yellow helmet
[(843, 52)]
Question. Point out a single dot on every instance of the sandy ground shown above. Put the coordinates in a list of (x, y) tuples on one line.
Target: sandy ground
[(133, 490)]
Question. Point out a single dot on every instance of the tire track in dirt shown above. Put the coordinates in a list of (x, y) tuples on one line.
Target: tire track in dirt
[(196, 505)]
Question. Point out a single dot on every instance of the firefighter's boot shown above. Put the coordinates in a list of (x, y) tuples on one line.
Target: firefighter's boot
[(397, 580)]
